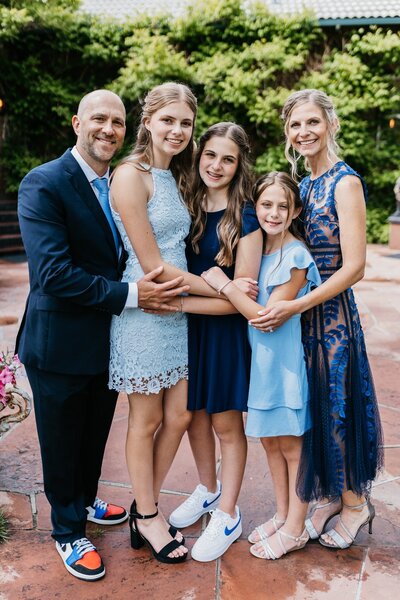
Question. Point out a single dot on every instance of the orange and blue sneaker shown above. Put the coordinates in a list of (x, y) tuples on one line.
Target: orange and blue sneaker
[(104, 513), (81, 559)]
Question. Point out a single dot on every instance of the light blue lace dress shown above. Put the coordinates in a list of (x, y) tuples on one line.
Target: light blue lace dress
[(149, 352)]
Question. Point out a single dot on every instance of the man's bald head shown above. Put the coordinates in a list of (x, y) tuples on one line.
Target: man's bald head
[(100, 128), (98, 96)]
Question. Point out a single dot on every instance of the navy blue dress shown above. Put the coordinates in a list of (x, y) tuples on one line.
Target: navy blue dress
[(343, 448), (219, 351)]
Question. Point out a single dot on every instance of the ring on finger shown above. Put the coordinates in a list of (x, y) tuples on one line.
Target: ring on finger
[(271, 329)]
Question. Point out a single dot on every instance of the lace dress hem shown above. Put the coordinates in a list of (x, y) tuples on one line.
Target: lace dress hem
[(149, 385)]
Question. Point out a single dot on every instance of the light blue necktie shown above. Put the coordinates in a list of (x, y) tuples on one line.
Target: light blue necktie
[(101, 185)]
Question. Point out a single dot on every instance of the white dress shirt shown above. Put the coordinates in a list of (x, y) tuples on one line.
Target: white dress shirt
[(132, 298)]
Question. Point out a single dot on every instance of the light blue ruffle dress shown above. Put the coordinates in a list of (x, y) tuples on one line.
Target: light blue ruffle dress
[(150, 352), (278, 395)]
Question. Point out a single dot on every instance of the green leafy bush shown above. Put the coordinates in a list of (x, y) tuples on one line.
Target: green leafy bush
[(241, 61)]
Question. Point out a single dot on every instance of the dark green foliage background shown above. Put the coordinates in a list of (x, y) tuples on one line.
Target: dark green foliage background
[(242, 64)]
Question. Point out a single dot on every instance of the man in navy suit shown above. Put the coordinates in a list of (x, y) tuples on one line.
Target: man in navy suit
[(76, 262)]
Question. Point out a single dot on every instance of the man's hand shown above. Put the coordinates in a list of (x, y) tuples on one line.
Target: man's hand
[(155, 296), (174, 305)]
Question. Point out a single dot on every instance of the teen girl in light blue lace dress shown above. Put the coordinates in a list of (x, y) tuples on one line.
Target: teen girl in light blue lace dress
[(149, 351)]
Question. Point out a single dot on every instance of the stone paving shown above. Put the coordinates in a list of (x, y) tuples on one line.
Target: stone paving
[(30, 568)]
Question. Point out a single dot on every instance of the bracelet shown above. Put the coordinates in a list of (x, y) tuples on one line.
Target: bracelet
[(224, 286), (181, 300)]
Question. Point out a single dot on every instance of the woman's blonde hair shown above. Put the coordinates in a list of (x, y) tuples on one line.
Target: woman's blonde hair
[(142, 152), (239, 192), (323, 102)]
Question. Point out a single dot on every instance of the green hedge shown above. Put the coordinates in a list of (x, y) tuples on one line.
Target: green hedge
[(241, 63)]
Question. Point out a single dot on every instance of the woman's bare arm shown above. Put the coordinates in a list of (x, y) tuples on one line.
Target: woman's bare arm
[(350, 204), (248, 307), (130, 192)]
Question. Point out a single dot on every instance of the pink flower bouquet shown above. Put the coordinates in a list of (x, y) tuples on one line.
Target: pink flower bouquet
[(9, 364)]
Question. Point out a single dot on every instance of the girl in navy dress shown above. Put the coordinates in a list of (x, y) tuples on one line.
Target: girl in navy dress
[(278, 409), (224, 232), (343, 450)]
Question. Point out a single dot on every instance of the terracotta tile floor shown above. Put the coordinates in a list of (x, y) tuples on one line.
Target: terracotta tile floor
[(30, 569)]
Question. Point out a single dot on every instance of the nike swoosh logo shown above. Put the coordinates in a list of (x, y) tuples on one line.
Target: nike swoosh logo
[(207, 504), (229, 531)]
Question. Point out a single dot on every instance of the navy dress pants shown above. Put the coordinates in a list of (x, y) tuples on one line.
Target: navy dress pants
[(73, 418)]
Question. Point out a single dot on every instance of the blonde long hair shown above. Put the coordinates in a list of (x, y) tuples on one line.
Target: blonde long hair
[(142, 152), (323, 102), (239, 192)]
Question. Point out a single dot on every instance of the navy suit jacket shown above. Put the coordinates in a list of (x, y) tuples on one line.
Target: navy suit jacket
[(74, 271)]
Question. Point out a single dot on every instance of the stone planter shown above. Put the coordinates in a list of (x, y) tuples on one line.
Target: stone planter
[(17, 408)]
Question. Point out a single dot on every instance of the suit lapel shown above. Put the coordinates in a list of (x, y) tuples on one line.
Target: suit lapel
[(87, 195)]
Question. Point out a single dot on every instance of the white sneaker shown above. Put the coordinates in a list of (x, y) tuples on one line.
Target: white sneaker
[(219, 534), (199, 503)]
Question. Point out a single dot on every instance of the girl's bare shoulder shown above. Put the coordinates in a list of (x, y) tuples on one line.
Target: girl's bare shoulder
[(131, 175)]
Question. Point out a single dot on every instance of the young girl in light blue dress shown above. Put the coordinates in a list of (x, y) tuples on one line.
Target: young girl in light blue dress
[(278, 410)]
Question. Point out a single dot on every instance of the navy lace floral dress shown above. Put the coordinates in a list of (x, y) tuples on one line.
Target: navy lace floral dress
[(343, 448)]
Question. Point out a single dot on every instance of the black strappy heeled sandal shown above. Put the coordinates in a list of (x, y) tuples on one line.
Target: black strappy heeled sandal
[(138, 540), (173, 531)]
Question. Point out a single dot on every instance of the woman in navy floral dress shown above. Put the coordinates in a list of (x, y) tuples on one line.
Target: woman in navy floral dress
[(342, 452)]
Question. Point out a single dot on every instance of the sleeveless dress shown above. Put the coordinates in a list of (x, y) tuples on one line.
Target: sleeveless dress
[(278, 395), (342, 450), (219, 352), (149, 352)]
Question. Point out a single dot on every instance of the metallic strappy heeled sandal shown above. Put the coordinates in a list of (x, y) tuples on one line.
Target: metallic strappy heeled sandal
[(312, 531), (339, 541)]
